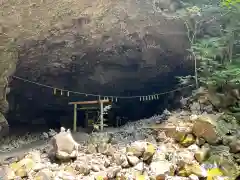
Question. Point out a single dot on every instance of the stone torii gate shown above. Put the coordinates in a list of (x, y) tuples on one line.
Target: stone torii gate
[(75, 108)]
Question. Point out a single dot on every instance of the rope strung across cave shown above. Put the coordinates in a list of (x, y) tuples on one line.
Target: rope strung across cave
[(149, 97)]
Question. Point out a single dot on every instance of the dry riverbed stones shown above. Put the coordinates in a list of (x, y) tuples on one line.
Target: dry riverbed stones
[(181, 150)]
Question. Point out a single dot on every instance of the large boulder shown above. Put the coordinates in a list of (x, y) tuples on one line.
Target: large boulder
[(206, 126), (188, 140), (4, 127), (177, 131), (137, 148), (221, 156), (23, 167), (64, 147), (202, 153), (235, 146), (143, 150), (160, 168), (219, 100), (193, 168)]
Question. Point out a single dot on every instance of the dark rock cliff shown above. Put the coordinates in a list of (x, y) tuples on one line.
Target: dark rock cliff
[(107, 47)]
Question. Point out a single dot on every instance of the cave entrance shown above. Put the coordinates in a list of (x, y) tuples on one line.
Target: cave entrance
[(93, 113)]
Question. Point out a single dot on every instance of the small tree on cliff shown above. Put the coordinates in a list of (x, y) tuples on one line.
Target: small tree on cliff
[(216, 57)]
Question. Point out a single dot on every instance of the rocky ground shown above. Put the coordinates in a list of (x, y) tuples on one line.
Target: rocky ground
[(186, 146), (193, 143), (15, 142)]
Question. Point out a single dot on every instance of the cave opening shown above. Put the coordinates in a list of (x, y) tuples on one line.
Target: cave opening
[(143, 65), (37, 109)]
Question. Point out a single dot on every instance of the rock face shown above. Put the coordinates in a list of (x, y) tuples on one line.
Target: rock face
[(235, 146), (3, 125), (107, 47)]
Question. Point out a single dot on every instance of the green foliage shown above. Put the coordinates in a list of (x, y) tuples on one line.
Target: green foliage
[(226, 75), (214, 68), (218, 57), (229, 3)]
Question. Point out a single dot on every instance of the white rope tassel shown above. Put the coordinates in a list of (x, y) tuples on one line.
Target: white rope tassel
[(54, 91), (141, 98)]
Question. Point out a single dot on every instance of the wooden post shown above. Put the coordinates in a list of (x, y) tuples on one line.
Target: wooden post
[(101, 115), (100, 102), (86, 119), (75, 118)]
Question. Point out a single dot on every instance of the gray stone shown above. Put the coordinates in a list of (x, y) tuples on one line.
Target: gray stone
[(4, 127)]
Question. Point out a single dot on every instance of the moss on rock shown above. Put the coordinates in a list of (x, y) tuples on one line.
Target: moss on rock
[(188, 140), (221, 156), (4, 128), (215, 128)]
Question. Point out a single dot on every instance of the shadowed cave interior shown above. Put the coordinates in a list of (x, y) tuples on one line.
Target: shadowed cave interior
[(44, 110)]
